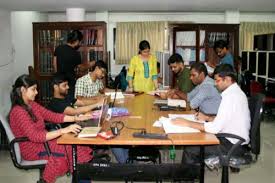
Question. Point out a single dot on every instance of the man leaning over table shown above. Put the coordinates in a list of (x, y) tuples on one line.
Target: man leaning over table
[(205, 95), (233, 117), (91, 85)]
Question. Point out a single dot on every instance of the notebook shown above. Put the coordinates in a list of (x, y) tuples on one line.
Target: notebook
[(93, 131)]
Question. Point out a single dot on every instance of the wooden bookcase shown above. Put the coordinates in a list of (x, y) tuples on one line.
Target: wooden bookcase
[(48, 35), (195, 41)]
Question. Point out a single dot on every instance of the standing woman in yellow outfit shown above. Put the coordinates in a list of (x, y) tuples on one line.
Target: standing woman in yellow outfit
[(142, 74)]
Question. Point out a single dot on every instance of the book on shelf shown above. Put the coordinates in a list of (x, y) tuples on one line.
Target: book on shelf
[(45, 61), (99, 37), (52, 38), (95, 55)]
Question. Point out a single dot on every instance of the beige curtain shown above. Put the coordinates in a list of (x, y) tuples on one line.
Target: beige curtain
[(249, 29), (129, 34)]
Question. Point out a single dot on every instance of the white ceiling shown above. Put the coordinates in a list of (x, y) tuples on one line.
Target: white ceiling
[(140, 5)]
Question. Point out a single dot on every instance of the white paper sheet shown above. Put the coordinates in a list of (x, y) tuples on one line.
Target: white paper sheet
[(190, 117), (176, 103), (119, 95), (171, 128)]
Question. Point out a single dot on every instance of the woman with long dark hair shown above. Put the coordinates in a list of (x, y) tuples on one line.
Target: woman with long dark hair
[(27, 120)]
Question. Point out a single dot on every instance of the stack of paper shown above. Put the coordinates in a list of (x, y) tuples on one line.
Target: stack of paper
[(157, 92), (176, 103), (118, 95), (171, 128), (160, 102)]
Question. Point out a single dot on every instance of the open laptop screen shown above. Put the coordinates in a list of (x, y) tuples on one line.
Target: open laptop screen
[(104, 112)]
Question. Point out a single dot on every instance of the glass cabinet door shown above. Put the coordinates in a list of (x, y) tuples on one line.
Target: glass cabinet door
[(186, 46), (191, 46)]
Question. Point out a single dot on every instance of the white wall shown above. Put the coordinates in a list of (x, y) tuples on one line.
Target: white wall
[(22, 38), (257, 17), (6, 61), (61, 17)]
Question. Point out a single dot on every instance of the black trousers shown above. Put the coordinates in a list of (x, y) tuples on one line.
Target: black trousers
[(191, 154)]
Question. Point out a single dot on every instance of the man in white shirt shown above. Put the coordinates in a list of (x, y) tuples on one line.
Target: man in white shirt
[(233, 116)]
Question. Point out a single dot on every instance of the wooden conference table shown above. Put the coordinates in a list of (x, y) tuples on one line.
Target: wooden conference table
[(143, 114)]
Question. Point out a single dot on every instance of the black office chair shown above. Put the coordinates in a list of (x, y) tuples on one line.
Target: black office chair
[(15, 153), (253, 148)]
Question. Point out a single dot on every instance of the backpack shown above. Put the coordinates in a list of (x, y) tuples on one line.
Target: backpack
[(120, 80)]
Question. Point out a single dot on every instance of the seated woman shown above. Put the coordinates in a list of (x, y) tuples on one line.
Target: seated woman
[(27, 120)]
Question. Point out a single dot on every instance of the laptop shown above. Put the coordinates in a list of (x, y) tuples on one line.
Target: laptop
[(93, 131)]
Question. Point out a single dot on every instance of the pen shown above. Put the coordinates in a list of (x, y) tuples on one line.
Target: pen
[(197, 114)]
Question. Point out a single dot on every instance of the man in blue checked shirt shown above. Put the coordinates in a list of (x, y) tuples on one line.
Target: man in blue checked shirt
[(205, 95)]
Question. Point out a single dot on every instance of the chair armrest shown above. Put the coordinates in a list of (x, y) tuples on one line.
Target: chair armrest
[(229, 135), (226, 157), (19, 139), (13, 152), (26, 139)]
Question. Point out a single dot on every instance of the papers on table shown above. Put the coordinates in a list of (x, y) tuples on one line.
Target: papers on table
[(119, 95), (171, 102), (157, 92), (160, 102), (190, 117), (176, 103), (159, 122), (171, 128)]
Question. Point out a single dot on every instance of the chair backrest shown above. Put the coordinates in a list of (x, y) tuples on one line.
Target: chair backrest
[(245, 85), (10, 136), (255, 87), (256, 108)]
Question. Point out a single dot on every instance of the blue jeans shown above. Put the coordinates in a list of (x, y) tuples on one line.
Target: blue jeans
[(120, 153), (84, 181)]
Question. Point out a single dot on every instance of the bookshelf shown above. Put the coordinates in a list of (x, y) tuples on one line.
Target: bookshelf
[(48, 35), (194, 42)]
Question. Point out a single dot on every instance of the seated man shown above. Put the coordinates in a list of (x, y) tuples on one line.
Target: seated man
[(233, 116), (183, 82), (205, 95), (61, 104), (91, 85)]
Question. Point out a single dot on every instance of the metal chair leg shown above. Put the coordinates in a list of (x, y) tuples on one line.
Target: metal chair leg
[(225, 176)]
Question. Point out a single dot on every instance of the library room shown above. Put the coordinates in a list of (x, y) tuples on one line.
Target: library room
[(148, 91)]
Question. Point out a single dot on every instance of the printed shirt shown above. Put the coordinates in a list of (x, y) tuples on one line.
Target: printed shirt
[(86, 87)]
